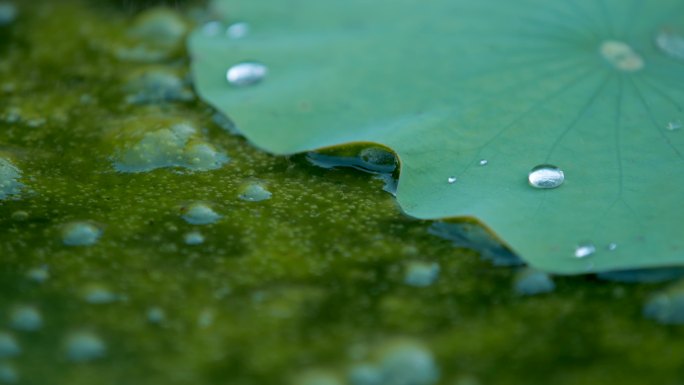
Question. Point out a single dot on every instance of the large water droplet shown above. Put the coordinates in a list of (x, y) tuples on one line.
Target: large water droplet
[(546, 176), (246, 74), (584, 250), (237, 30), (671, 43), (200, 214)]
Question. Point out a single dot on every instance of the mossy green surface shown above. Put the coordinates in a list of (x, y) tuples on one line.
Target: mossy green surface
[(309, 279)]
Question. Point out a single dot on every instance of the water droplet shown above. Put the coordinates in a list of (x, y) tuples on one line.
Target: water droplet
[(200, 214), (621, 56), (421, 274), (246, 74), (451, 180), (407, 362), (612, 246), (255, 192), (26, 318), (546, 176), (584, 250), (483, 162), (670, 43), (9, 179), (193, 238), (212, 28), (365, 374), (84, 347), (237, 30), (20, 216), (80, 234), (673, 126), (8, 13)]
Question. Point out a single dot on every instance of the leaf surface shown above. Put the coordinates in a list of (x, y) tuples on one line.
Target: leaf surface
[(579, 84)]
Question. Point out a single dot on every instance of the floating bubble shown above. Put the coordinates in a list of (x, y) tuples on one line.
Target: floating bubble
[(26, 318), (84, 347), (8, 346), (533, 282), (421, 274), (193, 238), (200, 214), (9, 179), (80, 234), (254, 192)]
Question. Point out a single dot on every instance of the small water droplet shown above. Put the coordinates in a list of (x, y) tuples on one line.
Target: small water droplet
[(484, 162), (200, 214), (612, 246), (451, 179), (584, 250), (546, 176), (254, 192), (671, 43), (26, 318), (673, 126), (421, 274), (156, 315), (246, 74), (80, 234), (9, 347), (237, 30)]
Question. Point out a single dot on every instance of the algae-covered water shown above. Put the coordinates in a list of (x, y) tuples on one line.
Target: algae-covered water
[(143, 242)]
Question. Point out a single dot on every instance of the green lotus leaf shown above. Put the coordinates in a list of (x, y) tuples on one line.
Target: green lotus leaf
[(479, 92)]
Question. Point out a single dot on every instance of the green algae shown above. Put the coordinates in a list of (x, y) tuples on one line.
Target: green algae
[(311, 280)]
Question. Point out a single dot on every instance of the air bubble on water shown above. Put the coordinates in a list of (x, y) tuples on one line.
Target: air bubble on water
[(671, 44), (176, 146), (156, 315), (365, 374), (254, 192), (200, 214), (26, 318), (408, 363), (621, 56), (84, 346), (237, 30), (584, 250), (99, 294), (546, 176), (8, 374), (193, 238), (9, 347), (532, 282), (80, 234), (246, 74), (9, 179), (451, 180), (8, 13), (38, 274), (421, 274)]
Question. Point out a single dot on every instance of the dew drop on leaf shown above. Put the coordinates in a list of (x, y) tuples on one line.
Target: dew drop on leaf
[(483, 162), (621, 56), (246, 74), (546, 176)]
